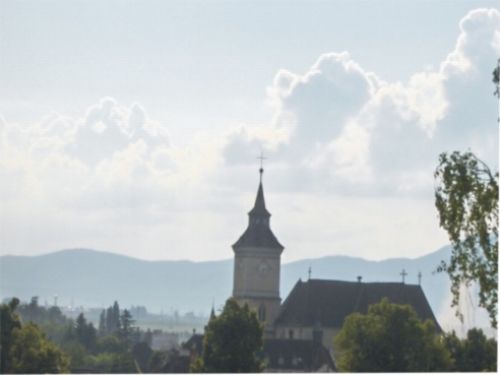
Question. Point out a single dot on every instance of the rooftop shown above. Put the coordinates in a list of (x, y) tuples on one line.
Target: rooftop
[(329, 302)]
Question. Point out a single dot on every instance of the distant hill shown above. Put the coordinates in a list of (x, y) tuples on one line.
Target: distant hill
[(95, 279)]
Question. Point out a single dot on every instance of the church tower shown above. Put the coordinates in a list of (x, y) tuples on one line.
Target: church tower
[(257, 257)]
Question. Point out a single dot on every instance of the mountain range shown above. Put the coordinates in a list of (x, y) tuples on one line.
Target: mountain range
[(91, 278)]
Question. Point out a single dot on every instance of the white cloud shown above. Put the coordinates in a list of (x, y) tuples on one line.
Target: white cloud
[(355, 132), (336, 128), (109, 128)]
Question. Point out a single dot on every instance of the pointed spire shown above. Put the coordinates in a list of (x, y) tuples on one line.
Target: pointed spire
[(212, 314), (258, 232), (259, 208)]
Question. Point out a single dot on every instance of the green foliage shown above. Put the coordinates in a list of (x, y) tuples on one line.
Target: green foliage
[(41, 316), (27, 349), (101, 363), (50, 320), (467, 200), (110, 320), (77, 354), (142, 353), (232, 341), (126, 323), (102, 322), (110, 344), (31, 352), (390, 338), (476, 353), (110, 363), (85, 332), (9, 321)]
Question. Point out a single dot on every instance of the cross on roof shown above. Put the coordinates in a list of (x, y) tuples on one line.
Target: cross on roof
[(261, 158), (309, 273), (419, 277), (403, 274)]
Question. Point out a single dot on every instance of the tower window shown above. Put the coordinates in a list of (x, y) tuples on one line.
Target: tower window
[(290, 334), (262, 313)]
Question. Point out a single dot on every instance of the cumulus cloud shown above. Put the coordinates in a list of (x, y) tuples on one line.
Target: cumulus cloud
[(109, 128), (354, 132), (113, 150), (321, 100)]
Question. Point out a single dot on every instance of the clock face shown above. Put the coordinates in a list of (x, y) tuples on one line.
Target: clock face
[(264, 267)]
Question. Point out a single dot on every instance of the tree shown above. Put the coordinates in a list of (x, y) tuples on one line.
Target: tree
[(126, 322), (31, 352), (232, 341), (115, 317), (466, 195), (110, 344), (141, 352), (9, 321), (480, 353), (390, 338), (475, 353), (102, 323), (109, 320), (85, 332)]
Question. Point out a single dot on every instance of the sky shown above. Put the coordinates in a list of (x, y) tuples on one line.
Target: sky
[(134, 126)]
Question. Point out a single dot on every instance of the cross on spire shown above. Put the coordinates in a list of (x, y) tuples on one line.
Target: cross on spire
[(261, 169), (419, 277), (309, 273), (403, 275)]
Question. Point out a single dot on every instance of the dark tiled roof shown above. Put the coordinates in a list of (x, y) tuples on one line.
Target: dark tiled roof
[(259, 208), (258, 232), (330, 301), (195, 342), (281, 354), (258, 235), (296, 355)]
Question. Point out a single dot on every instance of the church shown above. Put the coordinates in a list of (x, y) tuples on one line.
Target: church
[(315, 310)]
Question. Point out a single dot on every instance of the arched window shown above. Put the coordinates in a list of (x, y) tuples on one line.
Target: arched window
[(262, 313)]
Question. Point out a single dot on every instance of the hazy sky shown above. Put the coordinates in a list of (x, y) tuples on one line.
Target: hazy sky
[(134, 126)]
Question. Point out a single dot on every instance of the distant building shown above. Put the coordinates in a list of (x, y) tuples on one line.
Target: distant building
[(298, 334), (164, 340), (284, 355), (257, 263), (315, 310), (319, 307)]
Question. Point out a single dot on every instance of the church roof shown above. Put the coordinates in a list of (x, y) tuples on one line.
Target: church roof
[(259, 208), (195, 342), (330, 301), (258, 236), (258, 232)]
